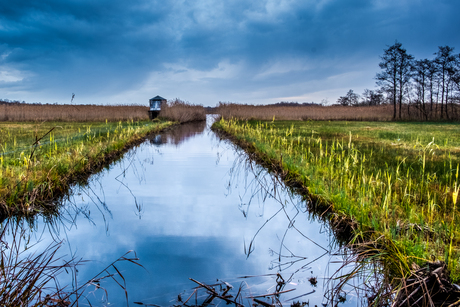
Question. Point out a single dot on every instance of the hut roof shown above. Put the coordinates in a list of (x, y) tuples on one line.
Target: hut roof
[(157, 98)]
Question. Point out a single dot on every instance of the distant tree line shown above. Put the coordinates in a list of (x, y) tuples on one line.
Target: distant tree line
[(428, 87), (17, 102), (7, 101), (293, 104), (281, 104), (14, 102)]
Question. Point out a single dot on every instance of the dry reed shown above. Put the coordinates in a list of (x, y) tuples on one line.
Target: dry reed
[(50, 112), (31, 278), (180, 111), (336, 112)]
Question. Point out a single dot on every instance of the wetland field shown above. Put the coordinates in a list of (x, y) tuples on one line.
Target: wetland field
[(46, 148), (250, 212), (193, 209), (38, 161), (392, 184)]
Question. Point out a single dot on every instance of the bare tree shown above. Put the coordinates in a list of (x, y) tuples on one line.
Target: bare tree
[(372, 98), (456, 74), (431, 79), (349, 99), (387, 79), (421, 70), (404, 74), (445, 61), (453, 86), (457, 68), (396, 65)]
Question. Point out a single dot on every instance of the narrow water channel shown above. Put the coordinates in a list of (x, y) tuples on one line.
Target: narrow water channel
[(191, 206)]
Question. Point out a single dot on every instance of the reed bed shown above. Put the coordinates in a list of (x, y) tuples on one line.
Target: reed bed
[(31, 278), (182, 112), (317, 112), (38, 161), (15, 112), (397, 181), (27, 279)]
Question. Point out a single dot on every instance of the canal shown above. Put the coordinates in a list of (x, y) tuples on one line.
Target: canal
[(189, 205)]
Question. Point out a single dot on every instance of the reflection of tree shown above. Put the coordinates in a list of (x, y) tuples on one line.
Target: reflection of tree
[(178, 134)]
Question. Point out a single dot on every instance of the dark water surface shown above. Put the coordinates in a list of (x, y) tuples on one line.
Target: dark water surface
[(191, 206)]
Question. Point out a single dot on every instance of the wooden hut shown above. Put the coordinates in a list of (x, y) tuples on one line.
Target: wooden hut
[(155, 106)]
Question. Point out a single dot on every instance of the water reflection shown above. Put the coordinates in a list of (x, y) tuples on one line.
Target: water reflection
[(188, 214), (302, 245), (178, 134)]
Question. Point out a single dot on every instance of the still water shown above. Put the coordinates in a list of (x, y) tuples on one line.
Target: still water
[(190, 205)]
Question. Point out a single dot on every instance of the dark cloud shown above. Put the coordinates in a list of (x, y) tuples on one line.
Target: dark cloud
[(106, 49)]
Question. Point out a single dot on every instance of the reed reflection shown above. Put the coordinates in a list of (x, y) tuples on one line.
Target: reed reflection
[(178, 134)]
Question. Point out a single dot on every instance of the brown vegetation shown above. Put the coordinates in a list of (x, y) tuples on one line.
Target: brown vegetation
[(54, 112), (30, 278), (179, 134), (318, 112), (180, 111)]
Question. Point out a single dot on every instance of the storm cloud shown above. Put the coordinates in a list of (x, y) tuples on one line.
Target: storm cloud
[(209, 51)]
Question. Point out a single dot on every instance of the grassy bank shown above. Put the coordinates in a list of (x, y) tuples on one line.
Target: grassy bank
[(397, 181), (39, 161)]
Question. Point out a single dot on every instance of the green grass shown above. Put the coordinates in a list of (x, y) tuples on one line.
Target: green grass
[(31, 176), (396, 180)]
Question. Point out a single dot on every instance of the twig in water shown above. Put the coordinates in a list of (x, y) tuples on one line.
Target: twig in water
[(271, 294)]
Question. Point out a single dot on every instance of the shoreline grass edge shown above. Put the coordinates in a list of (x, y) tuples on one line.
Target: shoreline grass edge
[(33, 193), (364, 239)]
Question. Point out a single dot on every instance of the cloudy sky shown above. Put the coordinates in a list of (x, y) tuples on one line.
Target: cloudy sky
[(206, 51)]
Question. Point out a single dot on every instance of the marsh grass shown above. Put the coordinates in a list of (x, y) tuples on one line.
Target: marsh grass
[(398, 181), (38, 161), (267, 112), (31, 278), (335, 112), (182, 112), (15, 112), (28, 279)]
